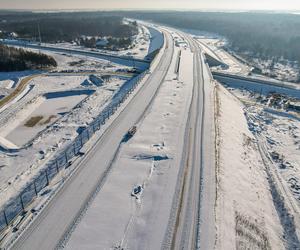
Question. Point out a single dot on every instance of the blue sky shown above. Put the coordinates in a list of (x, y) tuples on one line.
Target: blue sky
[(153, 4)]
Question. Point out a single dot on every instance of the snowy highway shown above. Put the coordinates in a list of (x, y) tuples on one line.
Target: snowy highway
[(193, 221), (54, 221), (164, 139), (190, 219)]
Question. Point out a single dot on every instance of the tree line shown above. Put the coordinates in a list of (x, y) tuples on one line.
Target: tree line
[(17, 59), (262, 35), (65, 27)]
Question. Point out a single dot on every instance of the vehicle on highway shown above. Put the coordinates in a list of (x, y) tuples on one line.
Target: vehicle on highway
[(132, 131)]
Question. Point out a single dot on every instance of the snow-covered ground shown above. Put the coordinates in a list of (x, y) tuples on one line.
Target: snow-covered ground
[(151, 160), (41, 142), (246, 216), (17, 168), (282, 70), (281, 132), (275, 131), (216, 46), (139, 48), (10, 80), (66, 63), (255, 85), (271, 118), (45, 111), (80, 63), (8, 84)]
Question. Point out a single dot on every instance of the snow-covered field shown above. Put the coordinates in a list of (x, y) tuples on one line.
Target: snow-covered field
[(139, 49), (246, 216), (282, 70), (18, 167), (273, 133), (46, 111)]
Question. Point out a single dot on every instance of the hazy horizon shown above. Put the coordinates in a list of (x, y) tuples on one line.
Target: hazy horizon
[(218, 5)]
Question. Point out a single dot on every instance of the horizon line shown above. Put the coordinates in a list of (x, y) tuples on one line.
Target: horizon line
[(147, 9)]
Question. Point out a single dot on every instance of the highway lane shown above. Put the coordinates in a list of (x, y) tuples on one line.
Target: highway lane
[(207, 229), (56, 219), (194, 226), (211, 53), (221, 76)]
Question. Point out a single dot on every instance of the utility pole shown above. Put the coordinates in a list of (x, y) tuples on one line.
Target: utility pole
[(40, 38)]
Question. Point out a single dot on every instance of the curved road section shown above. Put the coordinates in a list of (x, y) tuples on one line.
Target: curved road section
[(56, 219)]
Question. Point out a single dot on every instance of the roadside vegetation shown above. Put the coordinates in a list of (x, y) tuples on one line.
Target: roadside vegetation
[(14, 59)]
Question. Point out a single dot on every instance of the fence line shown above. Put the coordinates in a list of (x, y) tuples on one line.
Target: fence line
[(21, 202)]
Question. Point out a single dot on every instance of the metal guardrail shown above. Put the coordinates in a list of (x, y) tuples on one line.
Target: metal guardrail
[(19, 204)]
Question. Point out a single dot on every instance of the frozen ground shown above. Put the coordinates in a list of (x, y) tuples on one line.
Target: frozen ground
[(8, 84), (150, 159), (10, 80), (40, 84), (48, 110), (279, 125), (246, 216), (66, 64), (281, 132), (276, 131), (139, 49), (216, 46), (282, 70), (79, 63), (18, 167)]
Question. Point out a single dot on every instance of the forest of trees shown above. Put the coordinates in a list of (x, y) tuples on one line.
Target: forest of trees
[(57, 27), (14, 59), (262, 35)]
